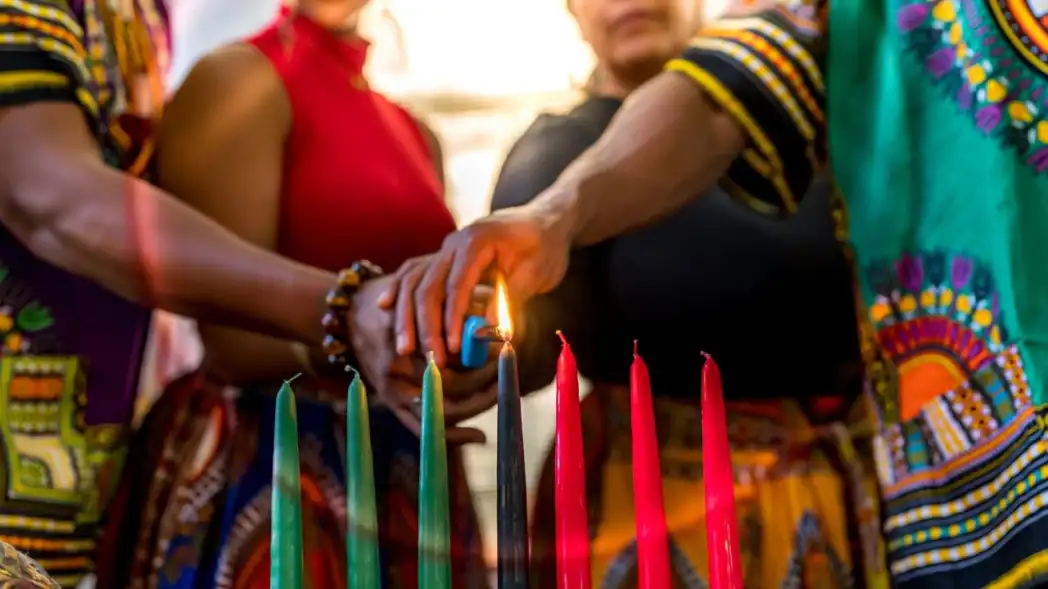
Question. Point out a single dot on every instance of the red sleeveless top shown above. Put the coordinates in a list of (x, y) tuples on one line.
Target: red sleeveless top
[(359, 181)]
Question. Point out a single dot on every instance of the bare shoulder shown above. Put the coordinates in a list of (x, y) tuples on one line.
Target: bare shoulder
[(236, 79)]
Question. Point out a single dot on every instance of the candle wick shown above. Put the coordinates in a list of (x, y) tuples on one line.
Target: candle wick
[(290, 380), (354, 371), (563, 339), (634, 347), (705, 355), (432, 356)]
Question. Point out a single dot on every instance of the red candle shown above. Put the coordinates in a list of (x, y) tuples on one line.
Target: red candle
[(722, 533), (653, 554), (573, 557)]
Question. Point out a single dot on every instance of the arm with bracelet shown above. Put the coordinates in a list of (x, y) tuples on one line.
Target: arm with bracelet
[(70, 208), (221, 150)]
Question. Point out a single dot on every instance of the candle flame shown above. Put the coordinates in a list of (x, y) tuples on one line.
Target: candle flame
[(505, 320)]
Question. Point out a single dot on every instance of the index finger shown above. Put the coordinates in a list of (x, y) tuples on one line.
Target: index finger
[(464, 275), (429, 295)]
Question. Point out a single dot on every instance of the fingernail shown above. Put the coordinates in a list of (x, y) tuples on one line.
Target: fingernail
[(453, 345), (402, 344)]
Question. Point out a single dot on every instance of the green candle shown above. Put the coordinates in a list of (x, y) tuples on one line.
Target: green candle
[(286, 533), (434, 539), (361, 515)]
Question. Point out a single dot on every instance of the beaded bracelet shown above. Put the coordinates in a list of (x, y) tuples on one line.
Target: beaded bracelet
[(338, 301)]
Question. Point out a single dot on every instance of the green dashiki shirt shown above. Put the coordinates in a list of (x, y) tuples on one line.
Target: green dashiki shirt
[(933, 118)]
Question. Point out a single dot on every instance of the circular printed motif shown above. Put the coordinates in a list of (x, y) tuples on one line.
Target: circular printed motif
[(991, 58), (937, 317), (1025, 24)]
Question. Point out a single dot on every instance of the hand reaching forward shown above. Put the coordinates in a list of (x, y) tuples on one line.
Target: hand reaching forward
[(397, 378), (433, 293)]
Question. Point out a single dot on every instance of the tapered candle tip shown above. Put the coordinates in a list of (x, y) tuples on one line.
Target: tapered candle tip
[(563, 339)]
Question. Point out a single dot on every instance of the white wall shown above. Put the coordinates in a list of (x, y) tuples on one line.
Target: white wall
[(484, 46)]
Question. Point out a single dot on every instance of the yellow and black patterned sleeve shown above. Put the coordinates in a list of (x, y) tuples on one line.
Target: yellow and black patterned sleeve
[(42, 55), (764, 69)]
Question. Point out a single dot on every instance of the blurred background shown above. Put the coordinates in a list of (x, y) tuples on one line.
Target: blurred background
[(478, 71)]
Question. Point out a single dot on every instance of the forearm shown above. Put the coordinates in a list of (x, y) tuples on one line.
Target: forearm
[(666, 146), (147, 247), (240, 357)]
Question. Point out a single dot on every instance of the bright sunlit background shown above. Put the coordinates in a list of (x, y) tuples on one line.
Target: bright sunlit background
[(478, 71)]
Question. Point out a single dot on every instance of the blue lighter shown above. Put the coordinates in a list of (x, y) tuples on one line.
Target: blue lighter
[(476, 335)]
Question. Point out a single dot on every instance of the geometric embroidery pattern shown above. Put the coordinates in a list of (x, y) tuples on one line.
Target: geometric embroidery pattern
[(937, 317), (991, 58), (966, 429)]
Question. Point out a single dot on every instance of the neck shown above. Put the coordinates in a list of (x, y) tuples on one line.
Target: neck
[(347, 31), (346, 34), (619, 83), (610, 86)]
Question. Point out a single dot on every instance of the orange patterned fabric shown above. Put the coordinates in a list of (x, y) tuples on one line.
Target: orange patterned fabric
[(807, 497)]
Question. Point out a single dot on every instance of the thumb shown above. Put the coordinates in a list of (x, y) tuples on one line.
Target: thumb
[(388, 297)]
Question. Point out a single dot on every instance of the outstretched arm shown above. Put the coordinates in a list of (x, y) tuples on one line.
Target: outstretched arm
[(666, 144), (533, 165), (221, 150), (744, 104), (68, 207)]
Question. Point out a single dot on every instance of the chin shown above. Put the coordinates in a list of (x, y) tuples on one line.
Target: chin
[(643, 52)]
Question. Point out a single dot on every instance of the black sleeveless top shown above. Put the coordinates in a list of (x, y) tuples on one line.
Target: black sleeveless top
[(771, 299)]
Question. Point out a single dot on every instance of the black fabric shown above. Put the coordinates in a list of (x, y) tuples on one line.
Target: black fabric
[(770, 298), (34, 61)]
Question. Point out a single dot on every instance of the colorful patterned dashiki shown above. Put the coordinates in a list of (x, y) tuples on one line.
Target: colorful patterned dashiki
[(63, 432), (936, 115), (806, 495)]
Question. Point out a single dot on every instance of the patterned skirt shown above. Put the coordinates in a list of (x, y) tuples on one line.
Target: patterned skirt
[(192, 510), (806, 497), (18, 571)]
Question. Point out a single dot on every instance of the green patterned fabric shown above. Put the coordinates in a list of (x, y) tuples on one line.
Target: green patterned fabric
[(932, 116), (938, 139)]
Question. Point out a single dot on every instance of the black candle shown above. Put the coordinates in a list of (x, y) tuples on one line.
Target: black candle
[(512, 486)]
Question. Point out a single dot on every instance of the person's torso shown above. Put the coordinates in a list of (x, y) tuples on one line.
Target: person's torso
[(359, 181), (70, 348), (720, 278), (938, 132)]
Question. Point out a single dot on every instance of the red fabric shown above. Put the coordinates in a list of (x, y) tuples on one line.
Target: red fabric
[(359, 181)]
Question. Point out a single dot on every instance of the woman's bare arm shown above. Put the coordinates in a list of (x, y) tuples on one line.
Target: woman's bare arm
[(667, 140), (70, 209), (221, 151)]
